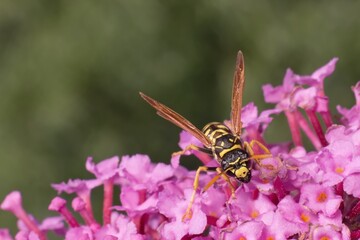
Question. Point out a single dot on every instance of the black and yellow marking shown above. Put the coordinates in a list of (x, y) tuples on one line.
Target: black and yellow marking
[(219, 140)]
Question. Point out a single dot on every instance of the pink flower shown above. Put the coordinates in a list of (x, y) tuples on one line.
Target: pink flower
[(298, 193), (351, 184), (243, 230), (213, 201), (26, 235), (30, 227), (80, 206), (5, 234), (255, 124), (330, 232), (341, 158), (247, 207), (320, 198), (136, 203), (122, 228), (82, 188), (81, 233), (305, 98), (351, 116), (173, 207), (304, 164), (316, 79), (281, 94), (293, 94), (104, 170), (59, 205), (138, 172), (298, 217)]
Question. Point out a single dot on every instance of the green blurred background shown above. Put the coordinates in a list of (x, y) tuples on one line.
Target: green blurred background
[(70, 73)]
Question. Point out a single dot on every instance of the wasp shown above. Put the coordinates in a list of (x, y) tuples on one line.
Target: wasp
[(222, 142)]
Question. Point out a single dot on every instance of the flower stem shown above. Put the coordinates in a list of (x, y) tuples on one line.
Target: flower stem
[(22, 215), (355, 234), (355, 211), (108, 200), (317, 127), (86, 197), (324, 110), (294, 128), (69, 218), (326, 116), (339, 189), (80, 206), (308, 131)]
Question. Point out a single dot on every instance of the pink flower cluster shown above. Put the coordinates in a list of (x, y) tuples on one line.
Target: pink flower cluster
[(297, 194)]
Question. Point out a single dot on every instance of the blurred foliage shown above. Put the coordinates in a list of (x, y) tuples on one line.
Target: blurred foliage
[(70, 72)]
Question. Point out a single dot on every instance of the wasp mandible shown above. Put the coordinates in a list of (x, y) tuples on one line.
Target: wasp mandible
[(223, 142)]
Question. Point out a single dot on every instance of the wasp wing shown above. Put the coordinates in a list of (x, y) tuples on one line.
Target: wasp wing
[(177, 119), (237, 94)]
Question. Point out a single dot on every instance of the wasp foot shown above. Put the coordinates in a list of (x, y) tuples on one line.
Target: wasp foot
[(187, 215)]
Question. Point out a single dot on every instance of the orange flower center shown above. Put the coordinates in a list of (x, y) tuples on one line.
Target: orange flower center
[(242, 238), (270, 238), (264, 180), (254, 214), (339, 170), (321, 197), (325, 238), (305, 218)]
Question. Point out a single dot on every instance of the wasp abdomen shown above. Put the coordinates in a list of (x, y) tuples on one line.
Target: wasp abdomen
[(215, 130)]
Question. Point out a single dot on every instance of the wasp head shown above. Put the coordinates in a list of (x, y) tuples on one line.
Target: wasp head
[(241, 172), (237, 164)]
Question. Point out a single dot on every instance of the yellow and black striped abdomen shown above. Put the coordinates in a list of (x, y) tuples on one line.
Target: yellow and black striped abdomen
[(215, 130)]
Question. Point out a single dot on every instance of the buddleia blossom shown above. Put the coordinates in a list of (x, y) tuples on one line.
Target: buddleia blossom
[(298, 193), (305, 92)]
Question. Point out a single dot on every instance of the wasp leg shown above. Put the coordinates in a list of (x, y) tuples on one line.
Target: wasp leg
[(188, 213), (262, 146), (193, 147), (258, 157), (225, 177), (266, 150)]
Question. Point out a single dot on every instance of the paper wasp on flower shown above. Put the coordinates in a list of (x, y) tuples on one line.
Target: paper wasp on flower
[(223, 142)]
